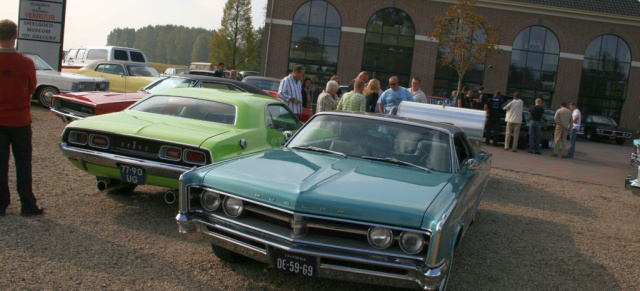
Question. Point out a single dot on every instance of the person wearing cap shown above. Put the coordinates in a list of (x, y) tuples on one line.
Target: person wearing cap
[(220, 71), (576, 118)]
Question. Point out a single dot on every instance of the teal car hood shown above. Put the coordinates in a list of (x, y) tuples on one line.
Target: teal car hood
[(170, 128), (330, 185)]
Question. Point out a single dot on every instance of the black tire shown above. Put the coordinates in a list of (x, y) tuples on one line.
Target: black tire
[(227, 255), (590, 136), (546, 143), (44, 95), (495, 141), (620, 141), (126, 189)]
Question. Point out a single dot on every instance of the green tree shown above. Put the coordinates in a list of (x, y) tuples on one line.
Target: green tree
[(235, 41), (200, 51), (122, 37), (458, 32), (259, 43)]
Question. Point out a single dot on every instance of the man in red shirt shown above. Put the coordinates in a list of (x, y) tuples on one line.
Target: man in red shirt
[(17, 84)]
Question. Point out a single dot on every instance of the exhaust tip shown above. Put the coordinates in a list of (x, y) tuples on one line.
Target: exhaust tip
[(170, 197), (102, 185)]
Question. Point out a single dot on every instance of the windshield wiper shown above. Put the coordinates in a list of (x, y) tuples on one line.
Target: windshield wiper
[(317, 149), (396, 161)]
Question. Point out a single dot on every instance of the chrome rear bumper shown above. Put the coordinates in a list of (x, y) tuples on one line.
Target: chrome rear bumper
[(84, 156), (330, 263)]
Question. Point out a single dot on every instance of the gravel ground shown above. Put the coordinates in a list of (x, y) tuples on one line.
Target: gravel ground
[(531, 232)]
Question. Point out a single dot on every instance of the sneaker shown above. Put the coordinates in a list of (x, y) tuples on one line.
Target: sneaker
[(530, 151), (538, 153), (515, 151), (35, 210), (564, 157)]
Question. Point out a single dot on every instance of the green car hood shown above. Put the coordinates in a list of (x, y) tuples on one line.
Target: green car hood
[(169, 128), (329, 185)]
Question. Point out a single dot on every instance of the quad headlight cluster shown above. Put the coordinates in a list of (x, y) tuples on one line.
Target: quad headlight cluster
[(211, 201), (382, 238)]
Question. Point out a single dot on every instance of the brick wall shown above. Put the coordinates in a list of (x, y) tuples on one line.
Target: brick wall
[(573, 35)]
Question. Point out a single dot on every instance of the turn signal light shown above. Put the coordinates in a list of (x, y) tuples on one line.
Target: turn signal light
[(79, 138), (171, 153), (194, 157), (99, 141)]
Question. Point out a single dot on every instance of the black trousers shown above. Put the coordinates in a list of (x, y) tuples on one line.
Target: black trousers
[(19, 139)]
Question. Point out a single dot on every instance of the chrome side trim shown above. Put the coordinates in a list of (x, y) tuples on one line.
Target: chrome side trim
[(112, 160), (435, 242), (67, 115)]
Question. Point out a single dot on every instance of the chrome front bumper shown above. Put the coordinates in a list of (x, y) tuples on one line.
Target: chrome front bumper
[(66, 116), (84, 156), (330, 263)]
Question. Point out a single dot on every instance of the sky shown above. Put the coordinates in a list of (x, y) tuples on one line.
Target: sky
[(88, 22)]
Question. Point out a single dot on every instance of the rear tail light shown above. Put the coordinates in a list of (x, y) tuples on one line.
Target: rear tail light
[(98, 141), (170, 153), (195, 157), (79, 138)]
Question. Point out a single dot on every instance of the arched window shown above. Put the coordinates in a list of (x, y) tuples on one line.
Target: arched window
[(446, 78), (315, 40), (388, 47), (605, 76), (534, 65)]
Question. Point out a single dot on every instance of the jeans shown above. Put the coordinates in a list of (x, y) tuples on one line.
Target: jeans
[(19, 138), (535, 132), (573, 134)]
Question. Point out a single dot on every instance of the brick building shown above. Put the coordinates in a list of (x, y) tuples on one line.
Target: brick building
[(584, 51)]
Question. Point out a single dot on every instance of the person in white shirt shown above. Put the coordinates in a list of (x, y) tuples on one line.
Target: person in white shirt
[(290, 89), (514, 120), (576, 118), (418, 95)]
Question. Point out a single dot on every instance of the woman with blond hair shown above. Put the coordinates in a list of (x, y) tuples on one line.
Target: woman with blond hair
[(371, 93)]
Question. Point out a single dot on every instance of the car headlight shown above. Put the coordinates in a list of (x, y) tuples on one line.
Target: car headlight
[(210, 200), (233, 206), (411, 242), (380, 237)]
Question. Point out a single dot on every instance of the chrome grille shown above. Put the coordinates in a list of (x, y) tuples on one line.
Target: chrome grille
[(304, 228)]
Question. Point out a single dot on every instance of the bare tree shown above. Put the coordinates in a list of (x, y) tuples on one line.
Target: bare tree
[(466, 36)]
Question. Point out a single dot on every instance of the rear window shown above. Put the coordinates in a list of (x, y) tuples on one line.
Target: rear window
[(120, 55), (137, 57), (192, 108), (81, 54), (71, 54), (97, 54), (143, 71), (219, 86)]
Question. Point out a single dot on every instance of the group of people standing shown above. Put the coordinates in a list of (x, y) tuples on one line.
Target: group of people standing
[(363, 94)]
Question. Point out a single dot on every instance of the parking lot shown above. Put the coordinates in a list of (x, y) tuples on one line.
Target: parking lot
[(544, 223)]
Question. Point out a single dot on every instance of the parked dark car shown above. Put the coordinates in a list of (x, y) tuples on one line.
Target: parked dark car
[(597, 127), (546, 139)]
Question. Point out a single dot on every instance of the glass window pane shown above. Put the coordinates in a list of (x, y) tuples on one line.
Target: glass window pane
[(518, 59), (550, 63), (593, 50), (298, 32), (534, 61), (536, 39), (316, 34), (609, 47), (548, 81), (406, 42), (302, 15), (389, 40), (332, 36), (522, 40), (551, 44), (333, 17), (330, 55), (296, 51), (318, 13), (623, 55)]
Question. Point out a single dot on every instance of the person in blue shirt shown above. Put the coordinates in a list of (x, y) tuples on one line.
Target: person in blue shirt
[(393, 96)]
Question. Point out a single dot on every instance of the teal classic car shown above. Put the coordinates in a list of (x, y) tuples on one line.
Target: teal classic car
[(352, 196), (164, 135)]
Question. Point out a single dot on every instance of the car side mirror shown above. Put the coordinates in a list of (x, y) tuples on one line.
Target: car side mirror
[(287, 135), (471, 165)]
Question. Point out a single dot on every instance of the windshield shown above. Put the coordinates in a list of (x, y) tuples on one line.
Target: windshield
[(603, 120), (169, 83), (192, 108), (264, 84), (143, 71), (40, 64), (364, 137)]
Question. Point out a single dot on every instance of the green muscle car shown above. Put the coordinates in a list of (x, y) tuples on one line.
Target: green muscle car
[(352, 196), (164, 135)]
